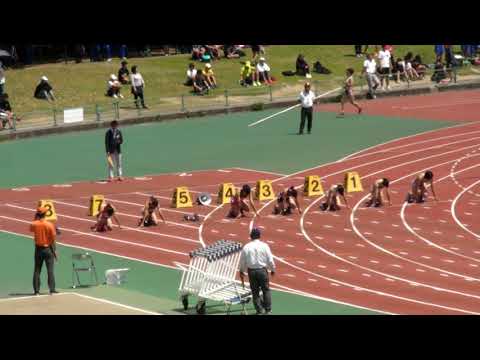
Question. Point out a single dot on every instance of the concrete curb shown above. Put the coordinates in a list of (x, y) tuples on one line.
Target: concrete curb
[(61, 129)]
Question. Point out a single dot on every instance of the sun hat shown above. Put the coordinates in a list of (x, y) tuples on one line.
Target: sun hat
[(262, 59), (113, 77), (208, 65), (42, 210), (44, 78)]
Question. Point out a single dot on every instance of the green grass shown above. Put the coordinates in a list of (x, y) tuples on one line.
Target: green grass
[(85, 83)]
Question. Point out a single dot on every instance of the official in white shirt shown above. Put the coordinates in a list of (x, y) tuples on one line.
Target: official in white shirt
[(370, 68), (138, 85), (307, 98), (385, 57), (256, 259)]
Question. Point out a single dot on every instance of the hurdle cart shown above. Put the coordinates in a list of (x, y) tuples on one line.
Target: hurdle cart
[(210, 275)]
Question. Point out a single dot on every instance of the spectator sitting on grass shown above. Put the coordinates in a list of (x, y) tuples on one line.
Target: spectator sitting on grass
[(209, 76), (200, 86), (263, 72), (113, 87), (124, 74), (230, 52), (191, 73), (196, 52), (400, 70), (213, 51), (44, 91), (419, 67), (302, 67), (247, 75), (6, 113), (439, 74), (409, 70)]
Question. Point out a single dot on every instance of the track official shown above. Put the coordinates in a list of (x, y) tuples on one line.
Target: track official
[(113, 142), (257, 259), (44, 236), (307, 98)]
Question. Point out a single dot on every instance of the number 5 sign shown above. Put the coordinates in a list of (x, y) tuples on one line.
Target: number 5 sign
[(181, 198), (352, 182)]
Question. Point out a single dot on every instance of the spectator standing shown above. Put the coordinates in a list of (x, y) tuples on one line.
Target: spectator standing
[(370, 69), (439, 50), (256, 259), (2, 79), (384, 57), (263, 72), (209, 76), (44, 237), (302, 67), (358, 50), (44, 91), (439, 73), (113, 142), (138, 86), (124, 74), (307, 98), (191, 74), (113, 87), (450, 60)]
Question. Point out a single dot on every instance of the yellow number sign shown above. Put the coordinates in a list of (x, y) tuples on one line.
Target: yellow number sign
[(313, 186), (96, 202), (181, 198), (225, 192), (51, 214), (352, 182), (265, 190)]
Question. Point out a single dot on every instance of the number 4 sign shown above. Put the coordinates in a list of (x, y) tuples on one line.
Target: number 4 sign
[(352, 182)]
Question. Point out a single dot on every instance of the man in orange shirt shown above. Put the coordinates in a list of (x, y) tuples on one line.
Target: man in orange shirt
[(44, 235)]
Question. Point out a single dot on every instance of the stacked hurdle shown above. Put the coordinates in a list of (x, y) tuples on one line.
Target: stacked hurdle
[(210, 275)]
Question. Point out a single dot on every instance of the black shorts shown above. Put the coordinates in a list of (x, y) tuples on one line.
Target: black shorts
[(384, 71)]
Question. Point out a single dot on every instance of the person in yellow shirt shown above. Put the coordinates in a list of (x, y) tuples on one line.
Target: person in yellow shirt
[(209, 76), (44, 236), (247, 75)]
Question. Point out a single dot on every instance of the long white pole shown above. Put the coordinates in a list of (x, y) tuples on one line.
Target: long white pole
[(290, 108)]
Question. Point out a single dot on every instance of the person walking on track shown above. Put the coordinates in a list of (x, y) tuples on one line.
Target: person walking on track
[(113, 142), (256, 258), (44, 236), (307, 98)]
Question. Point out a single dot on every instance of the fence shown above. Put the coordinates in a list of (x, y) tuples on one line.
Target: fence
[(219, 99)]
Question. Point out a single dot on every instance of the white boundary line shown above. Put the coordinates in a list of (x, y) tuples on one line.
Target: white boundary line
[(114, 303), (258, 171), (453, 211)]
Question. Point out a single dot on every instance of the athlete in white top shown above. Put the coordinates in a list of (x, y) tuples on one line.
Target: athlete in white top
[(385, 63)]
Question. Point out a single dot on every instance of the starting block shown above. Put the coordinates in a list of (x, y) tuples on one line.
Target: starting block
[(96, 202), (313, 186), (51, 213), (264, 190), (352, 182), (226, 192), (181, 198)]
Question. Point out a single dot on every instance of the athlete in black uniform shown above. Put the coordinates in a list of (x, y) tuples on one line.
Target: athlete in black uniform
[(286, 202)]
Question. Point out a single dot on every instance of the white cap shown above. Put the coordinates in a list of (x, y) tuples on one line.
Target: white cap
[(44, 78), (208, 65), (262, 59), (113, 77)]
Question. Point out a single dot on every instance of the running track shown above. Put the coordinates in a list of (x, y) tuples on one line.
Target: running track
[(415, 259)]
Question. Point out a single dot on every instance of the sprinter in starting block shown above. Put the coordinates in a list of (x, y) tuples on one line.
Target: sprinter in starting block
[(419, 192), (149, 218), (332, 202), (239, 203), (379, 193), (104, 219), (287, 201)]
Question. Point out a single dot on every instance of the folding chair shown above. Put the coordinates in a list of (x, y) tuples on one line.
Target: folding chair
[(83, 262)]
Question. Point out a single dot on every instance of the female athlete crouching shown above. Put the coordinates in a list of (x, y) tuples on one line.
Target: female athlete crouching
[(286, 202), (149, 218), (104, 219), (378, 193), (238, 203), (419, 188), (332, 201)]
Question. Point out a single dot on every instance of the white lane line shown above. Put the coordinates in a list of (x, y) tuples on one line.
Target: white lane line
[(318, 237), (453, 209), (280, 230), (105, 238), (343, 270), (289, 275), (339, 241), (374, 261), (388, 237), (420, 270), (311, 250), (449, 261), (290, 245), (214, 231), (312, 280), (123, 227), (300, 262), (347, 230), (322, 266), (270, 242)]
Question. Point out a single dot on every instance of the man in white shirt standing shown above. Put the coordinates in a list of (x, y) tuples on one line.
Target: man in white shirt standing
[(307, 98), (370, 68), (138, 86), (2, 79), (257, 259), (385, 57)]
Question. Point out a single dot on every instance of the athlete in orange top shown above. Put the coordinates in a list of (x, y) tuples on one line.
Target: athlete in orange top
[(44, 236)]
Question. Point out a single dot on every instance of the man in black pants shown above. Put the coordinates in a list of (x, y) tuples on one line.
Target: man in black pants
[(307, 98), (257, 259), (113, 147)]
